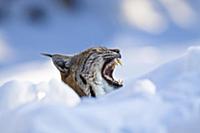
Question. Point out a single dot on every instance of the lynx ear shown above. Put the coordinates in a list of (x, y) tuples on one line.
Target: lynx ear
[(61, 62)]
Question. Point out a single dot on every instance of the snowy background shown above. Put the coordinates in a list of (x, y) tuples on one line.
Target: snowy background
[(160, 44)]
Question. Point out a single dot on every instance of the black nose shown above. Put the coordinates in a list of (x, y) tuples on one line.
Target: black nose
[(116, 50)]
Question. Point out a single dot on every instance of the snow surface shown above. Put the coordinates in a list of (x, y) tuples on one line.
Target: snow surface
[(164, 100)]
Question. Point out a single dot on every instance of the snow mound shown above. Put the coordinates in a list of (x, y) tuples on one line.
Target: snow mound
[(180, 76), (145, 86), (14, 94), (165, 100)]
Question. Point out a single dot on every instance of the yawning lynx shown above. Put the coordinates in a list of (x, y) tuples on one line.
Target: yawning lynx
[(89, 73)]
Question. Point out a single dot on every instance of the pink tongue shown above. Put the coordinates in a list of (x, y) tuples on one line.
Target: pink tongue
[(109, 72)]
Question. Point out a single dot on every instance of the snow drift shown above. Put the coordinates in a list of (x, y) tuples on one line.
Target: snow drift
[(164, 100)]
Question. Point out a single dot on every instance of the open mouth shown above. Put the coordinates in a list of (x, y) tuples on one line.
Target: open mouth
[(107, 72)]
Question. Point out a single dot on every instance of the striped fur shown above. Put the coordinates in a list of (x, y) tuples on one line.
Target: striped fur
[(82, 72)]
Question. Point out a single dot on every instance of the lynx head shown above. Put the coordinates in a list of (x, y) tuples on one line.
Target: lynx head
[(89, 73), (102, 62)]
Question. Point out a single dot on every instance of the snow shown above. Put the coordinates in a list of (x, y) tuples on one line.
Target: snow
[(157, 97), (18, 93), (145, 86), (34, 72), (164, 100)]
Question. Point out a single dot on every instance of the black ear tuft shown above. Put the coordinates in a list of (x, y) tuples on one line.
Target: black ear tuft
[(48, 55)]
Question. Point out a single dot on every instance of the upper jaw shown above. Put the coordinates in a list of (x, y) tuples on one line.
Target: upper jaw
[(112, 57), (118, 54)]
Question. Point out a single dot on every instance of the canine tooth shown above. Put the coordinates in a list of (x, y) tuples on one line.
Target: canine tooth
[(118, 61), (115, 62), (120, 81)]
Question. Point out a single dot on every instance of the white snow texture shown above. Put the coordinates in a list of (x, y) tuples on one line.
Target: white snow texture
[(166, 100)]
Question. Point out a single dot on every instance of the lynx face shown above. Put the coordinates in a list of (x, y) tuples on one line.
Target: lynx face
[(90, 73)]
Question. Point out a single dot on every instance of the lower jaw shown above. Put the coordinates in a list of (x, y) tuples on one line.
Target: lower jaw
[(113, 84)]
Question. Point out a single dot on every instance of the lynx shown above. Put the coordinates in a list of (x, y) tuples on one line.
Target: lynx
[(89, 73)]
